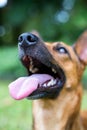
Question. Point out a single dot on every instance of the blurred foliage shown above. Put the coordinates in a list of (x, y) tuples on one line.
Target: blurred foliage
[(10, 66), (54, 20)]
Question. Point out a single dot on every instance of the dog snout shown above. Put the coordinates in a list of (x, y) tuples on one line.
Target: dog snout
[(27, 39)]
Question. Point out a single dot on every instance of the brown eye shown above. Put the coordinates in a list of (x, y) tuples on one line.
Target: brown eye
[(62, 50)]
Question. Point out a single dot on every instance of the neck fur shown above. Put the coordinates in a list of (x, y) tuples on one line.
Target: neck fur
[(61, 113)]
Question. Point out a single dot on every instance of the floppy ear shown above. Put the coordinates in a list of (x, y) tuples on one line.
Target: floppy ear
[(81, 47)]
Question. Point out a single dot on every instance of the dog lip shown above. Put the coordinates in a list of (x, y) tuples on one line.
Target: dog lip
[(47, 92)]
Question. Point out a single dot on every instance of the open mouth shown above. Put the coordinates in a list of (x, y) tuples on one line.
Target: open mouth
[(50, 78), (43, 80)]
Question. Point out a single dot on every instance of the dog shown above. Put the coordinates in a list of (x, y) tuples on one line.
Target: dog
[(54, 81)]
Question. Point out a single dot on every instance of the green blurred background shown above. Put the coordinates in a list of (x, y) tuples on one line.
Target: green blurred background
[(55, 20)]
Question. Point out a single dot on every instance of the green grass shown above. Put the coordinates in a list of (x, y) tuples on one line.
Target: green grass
[(14, 115), (17, 115)]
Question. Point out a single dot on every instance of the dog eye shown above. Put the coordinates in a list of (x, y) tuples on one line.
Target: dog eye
[(62, 50)]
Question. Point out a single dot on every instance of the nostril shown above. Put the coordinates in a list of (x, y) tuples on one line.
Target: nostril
[(20, 39), (27, 39), (31, 38)]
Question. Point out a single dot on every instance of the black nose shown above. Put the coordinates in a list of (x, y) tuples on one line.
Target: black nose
[(27, 39)]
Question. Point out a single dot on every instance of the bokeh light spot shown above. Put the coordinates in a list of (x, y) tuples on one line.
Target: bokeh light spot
[(3, 3)]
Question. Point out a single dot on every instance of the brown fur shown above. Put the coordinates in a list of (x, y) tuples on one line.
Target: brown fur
[(63, 113)]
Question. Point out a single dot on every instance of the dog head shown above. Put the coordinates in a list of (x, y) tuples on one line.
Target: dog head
[(52, 67)]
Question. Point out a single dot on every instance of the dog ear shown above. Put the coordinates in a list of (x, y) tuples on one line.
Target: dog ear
[(81, 47)]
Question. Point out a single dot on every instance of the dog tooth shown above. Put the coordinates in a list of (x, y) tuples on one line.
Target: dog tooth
[(50, 83), (54, 81), (33, 70), (45, 85), (31, 62), (53, 70)]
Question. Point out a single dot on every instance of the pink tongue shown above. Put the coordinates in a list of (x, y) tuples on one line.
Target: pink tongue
[(24, 86)]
